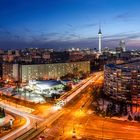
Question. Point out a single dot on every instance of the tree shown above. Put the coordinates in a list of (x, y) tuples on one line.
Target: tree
[(111, 110), (76, 72), (123, 108), (130, 118), (2, 112), (68, 87), (108, 110), (137, 118), (55, 96)]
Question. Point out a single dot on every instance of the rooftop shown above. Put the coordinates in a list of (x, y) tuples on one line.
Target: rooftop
[(127, 66)]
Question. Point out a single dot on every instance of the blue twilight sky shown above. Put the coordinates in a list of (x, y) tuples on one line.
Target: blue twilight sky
[(69, 23)]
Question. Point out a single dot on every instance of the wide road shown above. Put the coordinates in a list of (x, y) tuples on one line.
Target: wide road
[(65, 125), (31, 119), (79, 121), (56, 114)]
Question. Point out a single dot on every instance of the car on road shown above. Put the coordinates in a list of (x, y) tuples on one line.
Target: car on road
[(6, 127), (41, 138)]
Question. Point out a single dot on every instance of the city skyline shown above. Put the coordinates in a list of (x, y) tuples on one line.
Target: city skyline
[(69, 70), (68, 23)]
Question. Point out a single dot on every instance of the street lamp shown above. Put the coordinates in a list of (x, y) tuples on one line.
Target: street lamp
[(63, 129), (36, 125), (103, 128)]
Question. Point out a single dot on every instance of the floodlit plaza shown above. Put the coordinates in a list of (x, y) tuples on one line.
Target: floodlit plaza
[(36, 91)]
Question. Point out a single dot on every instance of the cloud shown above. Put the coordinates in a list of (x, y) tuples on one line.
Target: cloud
[(52, 34), (70, 25), (124, 17), (4, 31), (27, 30), (124, 35), (67, 39), (63, 44), (132, 40), (17, 37), (91, 25)]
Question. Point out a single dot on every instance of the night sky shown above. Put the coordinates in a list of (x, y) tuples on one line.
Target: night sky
[(69, 23)]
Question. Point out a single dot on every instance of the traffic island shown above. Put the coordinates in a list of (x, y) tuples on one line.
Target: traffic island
[(9, 123)]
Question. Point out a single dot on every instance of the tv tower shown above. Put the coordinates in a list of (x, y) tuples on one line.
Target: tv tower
[(100, 40)]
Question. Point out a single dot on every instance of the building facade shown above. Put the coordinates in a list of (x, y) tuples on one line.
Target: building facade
[(27, 72), (122, 80)]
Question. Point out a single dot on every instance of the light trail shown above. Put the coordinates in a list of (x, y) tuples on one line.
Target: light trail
[(17, 132), (28, 117), (16, 111)]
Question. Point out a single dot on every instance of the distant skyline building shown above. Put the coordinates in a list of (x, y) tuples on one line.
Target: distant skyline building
[(100, 40), (122, 45)]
